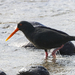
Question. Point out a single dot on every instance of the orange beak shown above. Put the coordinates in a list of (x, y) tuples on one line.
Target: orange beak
[(12, 34)]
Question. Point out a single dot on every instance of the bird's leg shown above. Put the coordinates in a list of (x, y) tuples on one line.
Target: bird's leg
[(46, 53), (54, 52)]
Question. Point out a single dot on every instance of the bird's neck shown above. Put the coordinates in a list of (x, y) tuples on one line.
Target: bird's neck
[(28, 32)]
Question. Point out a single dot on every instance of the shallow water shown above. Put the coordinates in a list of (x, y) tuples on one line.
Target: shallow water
[(58, 14)]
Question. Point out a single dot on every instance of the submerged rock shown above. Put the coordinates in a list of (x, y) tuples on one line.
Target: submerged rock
[(68, 49), (2, 73), (35, 70)]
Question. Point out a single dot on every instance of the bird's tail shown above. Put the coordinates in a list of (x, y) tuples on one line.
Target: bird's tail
[(72, 38)]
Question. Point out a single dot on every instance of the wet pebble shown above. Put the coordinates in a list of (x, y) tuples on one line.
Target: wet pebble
[(2, 73), (68, 49), (34, 70)]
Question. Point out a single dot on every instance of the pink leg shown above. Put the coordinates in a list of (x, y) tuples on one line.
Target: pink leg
[(54, 52), (46, 53)]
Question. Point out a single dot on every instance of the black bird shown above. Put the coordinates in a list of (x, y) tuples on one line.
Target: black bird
[(68, 48), (43, 37), (35, 70)]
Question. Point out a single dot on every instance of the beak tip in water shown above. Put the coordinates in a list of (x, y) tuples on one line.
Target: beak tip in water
[(6, 40)]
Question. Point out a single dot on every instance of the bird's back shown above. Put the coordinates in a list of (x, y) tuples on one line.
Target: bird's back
[(47, 38)]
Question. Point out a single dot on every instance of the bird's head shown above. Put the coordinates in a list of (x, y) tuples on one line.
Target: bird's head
[(23, 26)]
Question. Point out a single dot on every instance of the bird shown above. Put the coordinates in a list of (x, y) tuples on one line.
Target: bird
[(34, 70), (68, 48), (43, 37)]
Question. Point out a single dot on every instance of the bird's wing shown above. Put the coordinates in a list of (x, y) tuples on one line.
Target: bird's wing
[(49, 37), (36, 24), (61, 32), (39, 25)]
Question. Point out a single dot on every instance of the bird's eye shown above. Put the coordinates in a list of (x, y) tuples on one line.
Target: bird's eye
[(20, 24)]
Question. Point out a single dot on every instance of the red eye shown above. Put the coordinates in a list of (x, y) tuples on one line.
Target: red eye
[(20, 24)]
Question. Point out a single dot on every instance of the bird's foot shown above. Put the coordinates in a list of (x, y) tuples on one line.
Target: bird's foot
[(54, 60), (54, 55)]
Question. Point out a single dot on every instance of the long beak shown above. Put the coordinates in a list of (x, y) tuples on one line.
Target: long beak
[(12, 34)]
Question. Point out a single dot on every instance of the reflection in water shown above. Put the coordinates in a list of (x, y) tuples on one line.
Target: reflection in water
[(58, 67), (52, 67)]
